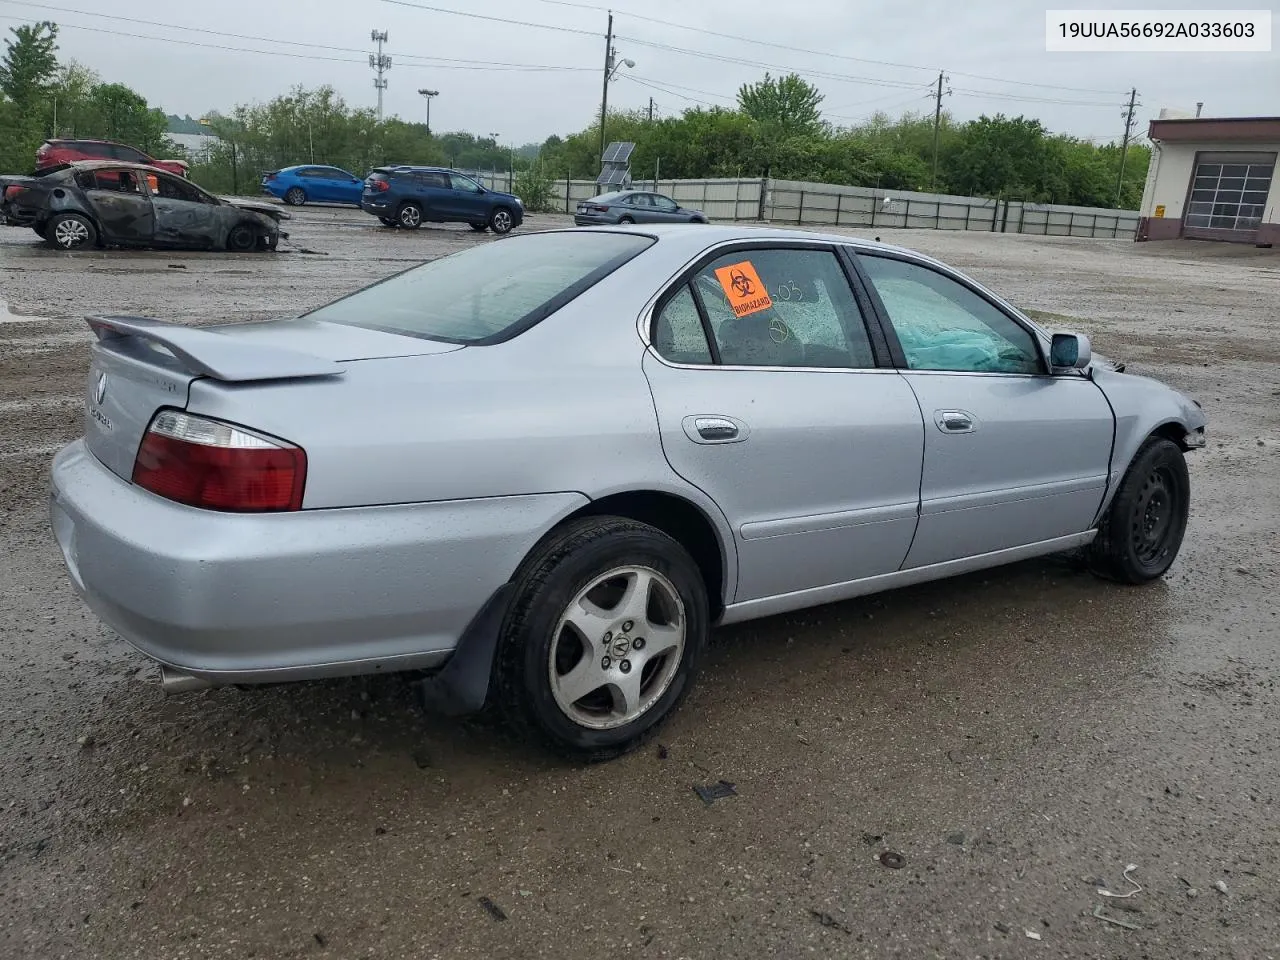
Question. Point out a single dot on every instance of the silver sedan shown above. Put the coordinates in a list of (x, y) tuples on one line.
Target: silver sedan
[(634, 206), (540, 470)]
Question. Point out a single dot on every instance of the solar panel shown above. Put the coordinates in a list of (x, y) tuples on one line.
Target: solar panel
[(611, 176), (618, 152)]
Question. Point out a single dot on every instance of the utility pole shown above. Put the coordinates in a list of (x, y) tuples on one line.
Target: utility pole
[(604, 94), (1124, 144), (937, 124), (651, 109), (380, 64)]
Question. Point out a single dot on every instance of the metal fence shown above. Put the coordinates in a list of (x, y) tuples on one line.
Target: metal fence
[(824, 204)]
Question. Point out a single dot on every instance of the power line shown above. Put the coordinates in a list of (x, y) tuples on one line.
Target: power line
[(273, 40), (816, 53), (492, 19)]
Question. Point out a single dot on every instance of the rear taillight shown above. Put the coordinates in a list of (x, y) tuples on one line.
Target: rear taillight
[(43, 150), (379, 185), (596, 208), (10, 192), (219, 466)]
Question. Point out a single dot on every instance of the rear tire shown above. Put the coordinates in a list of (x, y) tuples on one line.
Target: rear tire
[(243, 238), (71, 231), (388, 222), (1142, 531), (409, 216), (295, 196), (603, 639), (626, 220)]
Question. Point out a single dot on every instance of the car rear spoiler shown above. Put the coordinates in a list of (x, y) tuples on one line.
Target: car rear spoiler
[(207, 353)]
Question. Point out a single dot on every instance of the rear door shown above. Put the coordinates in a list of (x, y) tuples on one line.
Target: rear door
[(119, 203), (185, 214), (783, 411), (1013, 455)]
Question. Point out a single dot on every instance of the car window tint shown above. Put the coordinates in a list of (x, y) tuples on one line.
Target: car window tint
[(677, 333), (127, 154), (943, 325), (464, 183), (488, 292), (664, 203), (784, 308), (171, 188), (438, 180), (311, 172)]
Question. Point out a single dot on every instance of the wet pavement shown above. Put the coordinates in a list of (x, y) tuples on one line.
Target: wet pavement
[(1018, 737)]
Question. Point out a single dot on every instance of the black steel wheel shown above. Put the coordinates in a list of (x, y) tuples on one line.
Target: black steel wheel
[(1143, 528)]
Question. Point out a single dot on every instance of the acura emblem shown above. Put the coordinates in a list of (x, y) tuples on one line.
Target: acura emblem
[(100, 390)]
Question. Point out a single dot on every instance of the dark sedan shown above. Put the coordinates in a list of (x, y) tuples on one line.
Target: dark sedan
[(634, 206), (104, 203)]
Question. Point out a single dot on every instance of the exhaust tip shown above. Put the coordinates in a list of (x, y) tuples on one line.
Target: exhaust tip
[(175, 681)]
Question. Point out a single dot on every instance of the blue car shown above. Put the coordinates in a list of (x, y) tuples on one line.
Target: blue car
[(408, 197), (311, 183)]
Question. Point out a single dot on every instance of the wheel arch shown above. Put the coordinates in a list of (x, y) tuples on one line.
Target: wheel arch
[(682, 520)]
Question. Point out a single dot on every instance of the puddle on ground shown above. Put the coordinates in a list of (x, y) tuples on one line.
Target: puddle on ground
[(7, 317)]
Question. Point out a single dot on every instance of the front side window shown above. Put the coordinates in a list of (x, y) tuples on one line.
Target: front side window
[(171, 188), (465, 184), (486, 293), (665, 204), (943, 325), (784, 308)]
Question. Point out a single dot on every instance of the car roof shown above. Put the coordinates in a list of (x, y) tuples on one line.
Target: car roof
[(694, 239), (114, 164), (113, 143)]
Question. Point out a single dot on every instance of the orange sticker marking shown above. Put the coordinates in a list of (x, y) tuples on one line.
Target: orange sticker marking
[(743, 289)]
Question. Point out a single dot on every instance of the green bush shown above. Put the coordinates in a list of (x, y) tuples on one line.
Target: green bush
[(535, 191)]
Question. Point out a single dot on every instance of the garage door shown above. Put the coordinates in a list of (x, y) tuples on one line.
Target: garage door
[(1228, 196)]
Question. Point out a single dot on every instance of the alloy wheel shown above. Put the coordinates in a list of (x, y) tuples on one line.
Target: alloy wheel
[(617, 647), (69, 234)]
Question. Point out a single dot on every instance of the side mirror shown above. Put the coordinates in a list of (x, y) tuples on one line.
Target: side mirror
[(1070, 351)]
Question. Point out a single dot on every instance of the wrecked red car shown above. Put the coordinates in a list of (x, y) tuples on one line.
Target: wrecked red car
[(97, 203), (53, 153)]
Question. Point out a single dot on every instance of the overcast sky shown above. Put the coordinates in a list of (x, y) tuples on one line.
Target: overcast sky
[(993, 52)]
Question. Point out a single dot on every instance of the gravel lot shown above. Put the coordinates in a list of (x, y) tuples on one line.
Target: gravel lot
[(1018, 736)]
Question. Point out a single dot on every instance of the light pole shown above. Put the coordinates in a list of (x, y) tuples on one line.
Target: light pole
[(611, 67), (429, 94)]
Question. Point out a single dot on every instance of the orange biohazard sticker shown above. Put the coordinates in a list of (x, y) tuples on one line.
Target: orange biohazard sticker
[(742, 288)]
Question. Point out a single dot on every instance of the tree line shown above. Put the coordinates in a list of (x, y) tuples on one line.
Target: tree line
[(775, 128)]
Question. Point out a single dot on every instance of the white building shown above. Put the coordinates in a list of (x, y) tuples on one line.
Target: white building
[(1212, 178)]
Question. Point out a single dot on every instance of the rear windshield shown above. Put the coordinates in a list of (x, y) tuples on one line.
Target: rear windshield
[(489, 293)]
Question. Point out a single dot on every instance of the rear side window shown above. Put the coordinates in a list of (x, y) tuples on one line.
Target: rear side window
[(438, 180), (488, 293)]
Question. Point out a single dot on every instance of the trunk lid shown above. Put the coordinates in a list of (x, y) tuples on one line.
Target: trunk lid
[(139, 365)]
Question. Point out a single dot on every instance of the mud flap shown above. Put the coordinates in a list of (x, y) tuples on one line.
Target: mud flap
[(462, 685)]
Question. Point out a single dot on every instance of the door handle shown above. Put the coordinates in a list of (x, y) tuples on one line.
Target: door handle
[(713, 429), (955, 421)]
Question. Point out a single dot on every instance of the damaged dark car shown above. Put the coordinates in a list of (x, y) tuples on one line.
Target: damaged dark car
[(103, 203)]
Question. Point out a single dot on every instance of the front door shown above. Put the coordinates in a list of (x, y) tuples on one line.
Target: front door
[(468, 199), (185, 214), (1012, 454), (121, 206), (780, 410)]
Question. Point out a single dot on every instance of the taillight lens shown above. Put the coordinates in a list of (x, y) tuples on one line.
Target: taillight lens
[(219, 466), (380, 185), (597, 208), (12, 191)]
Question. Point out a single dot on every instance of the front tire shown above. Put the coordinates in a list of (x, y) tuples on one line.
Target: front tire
[(295, 196), (243, 238), (1142, 531), (501, 221), (480, 227), (388, 222), (71, 231), (604, 637)]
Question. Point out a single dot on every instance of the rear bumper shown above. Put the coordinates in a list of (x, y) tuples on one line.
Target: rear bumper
[(379, 208), (244, 598), (593, 220)]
